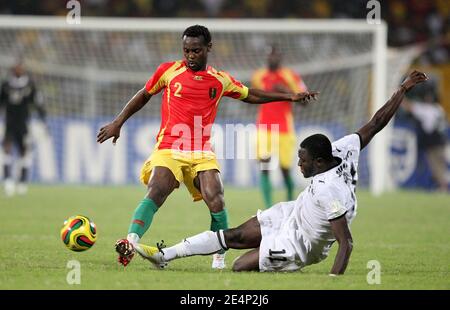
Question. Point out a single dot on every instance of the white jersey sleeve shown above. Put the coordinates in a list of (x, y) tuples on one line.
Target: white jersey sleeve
[(348, 149), (332, 201), (350, 142)]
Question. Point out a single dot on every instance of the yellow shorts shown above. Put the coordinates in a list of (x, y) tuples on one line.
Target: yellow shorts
[(283, 147), (184, 165)]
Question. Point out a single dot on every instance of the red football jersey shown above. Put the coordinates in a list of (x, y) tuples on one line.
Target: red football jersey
[(189, 103), (279, 112)]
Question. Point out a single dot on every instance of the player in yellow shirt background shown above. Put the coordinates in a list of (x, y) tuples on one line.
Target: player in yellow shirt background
[(275, 125)]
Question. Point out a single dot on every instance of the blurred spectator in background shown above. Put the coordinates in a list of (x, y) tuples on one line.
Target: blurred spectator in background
[(429, 115), (409, 21), (18, 94)]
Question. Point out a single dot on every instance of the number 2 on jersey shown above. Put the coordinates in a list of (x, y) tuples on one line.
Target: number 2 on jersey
[(178, 89)]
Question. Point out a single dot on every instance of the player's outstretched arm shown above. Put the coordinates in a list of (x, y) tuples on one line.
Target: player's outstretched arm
[(344, 238), (113, 129), (258, 96), (387, 111)]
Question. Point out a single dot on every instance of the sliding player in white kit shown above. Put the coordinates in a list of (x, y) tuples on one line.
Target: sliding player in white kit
[(295, 234)]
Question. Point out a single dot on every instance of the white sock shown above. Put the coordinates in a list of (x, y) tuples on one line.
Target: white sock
[(133, 238), (205, 243)]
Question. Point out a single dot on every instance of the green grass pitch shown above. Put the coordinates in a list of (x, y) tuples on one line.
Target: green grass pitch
[(407, 232)]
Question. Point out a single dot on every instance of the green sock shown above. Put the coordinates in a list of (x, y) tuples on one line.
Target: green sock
[(289, 187), (219, 221), (266, 188), (142, 217)]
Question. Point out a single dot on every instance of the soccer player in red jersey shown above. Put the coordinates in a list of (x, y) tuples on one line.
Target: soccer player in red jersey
[(275, 123), (192, 91)]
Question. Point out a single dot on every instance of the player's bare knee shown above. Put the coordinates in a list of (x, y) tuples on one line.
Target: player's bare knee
[(236, 266), (239, 265), (158, 193)]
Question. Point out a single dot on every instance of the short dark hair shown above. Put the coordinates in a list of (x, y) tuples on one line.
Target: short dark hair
[(318, 145), (197, 31)]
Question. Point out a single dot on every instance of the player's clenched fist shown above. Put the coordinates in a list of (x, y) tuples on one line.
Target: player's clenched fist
[(413, 79)]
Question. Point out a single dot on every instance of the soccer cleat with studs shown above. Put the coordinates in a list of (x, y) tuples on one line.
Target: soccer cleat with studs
[(153, 254), (125, 250)]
